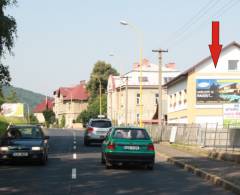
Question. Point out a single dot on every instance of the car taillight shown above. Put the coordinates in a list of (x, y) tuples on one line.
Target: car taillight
[(89, 129), (150, 147), (111, 146)]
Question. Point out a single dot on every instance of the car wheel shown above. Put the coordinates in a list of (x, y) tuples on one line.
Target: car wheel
[(150, 166), (103, 161), (86, 142), (44, 160), (108, 165)]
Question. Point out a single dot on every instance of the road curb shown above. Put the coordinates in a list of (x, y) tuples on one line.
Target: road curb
[(216, 180)]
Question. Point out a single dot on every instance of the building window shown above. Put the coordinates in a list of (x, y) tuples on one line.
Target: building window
[(144, 79), (232, 64), (167, 79), (156, 98), (138, 99)]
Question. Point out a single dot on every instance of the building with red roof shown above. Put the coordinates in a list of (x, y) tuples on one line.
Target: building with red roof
[(41, 107), (69, 102)]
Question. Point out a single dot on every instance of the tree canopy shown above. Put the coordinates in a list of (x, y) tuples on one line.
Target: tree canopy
[(8, 28), (101, 71)]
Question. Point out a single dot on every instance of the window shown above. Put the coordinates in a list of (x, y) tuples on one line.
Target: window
[(124, 133), (101, 123), (156, 98), (138, 99), (144, 79), (232, 64), (167, 79)]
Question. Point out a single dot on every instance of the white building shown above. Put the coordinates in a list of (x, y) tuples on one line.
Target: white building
[(117, 93), (205, 94)]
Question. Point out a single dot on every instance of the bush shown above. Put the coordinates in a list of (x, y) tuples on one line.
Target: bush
[(5, 121)]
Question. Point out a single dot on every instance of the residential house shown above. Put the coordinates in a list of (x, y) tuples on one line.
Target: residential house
[(125, 88), (41, 107), (69, 102)]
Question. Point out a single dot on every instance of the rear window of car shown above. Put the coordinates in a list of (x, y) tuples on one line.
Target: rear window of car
[(101, 124), (137, 134), (24, 132)]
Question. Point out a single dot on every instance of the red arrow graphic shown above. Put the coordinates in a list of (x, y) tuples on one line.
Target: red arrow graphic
[(215, 47)]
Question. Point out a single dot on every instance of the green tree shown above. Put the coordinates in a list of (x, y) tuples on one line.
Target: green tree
[(49, 117), (63, 121), (8, 28), (93, 110), (12, 97), (8, 33), (33, 119), (101, 71)]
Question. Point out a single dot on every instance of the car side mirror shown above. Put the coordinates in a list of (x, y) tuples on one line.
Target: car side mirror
[(46, 137)]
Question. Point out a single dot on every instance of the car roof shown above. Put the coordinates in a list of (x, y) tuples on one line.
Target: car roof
[(100, 119), (23, 125), (129, 127)]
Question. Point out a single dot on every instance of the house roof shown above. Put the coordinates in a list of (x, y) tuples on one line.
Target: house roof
[(39, 108), (78, 92), (187, 71)]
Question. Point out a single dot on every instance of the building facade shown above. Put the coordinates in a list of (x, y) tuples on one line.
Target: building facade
[(123, 100), (41, 107), (205, 94), (69, 102)]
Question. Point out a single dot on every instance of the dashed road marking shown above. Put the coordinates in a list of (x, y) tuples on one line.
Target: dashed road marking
[(74, 142), (74, 147), (74, 173), (74, 156)]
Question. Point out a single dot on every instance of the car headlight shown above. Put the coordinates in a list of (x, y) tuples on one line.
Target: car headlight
[(36, 148), (4, 148)]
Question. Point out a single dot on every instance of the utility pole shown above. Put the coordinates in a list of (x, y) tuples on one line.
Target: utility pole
[(126, 103), (160, 51)]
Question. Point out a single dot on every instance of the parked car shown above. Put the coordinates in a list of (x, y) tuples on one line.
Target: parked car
[(96, 130), (127, 145), (24, 142)]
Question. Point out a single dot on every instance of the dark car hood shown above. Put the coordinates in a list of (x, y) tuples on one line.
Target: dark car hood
[(23, 142)]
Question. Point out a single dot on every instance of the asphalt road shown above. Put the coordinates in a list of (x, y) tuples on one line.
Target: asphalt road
[(76, 169)]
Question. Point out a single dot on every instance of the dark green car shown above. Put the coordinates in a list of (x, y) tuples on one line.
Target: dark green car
[(128, 145)]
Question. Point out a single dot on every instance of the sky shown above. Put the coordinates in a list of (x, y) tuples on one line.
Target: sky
[(59, 41)]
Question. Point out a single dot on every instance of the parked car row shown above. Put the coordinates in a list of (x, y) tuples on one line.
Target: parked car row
[(120, 145), (24, 142)]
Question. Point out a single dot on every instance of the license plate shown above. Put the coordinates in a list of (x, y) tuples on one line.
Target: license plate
[(131, 147), (20, 154)]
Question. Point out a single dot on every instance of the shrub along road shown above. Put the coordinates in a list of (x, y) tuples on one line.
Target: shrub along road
[(76, 169)]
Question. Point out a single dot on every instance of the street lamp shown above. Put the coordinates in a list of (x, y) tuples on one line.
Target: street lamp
[(100, 94), (28, 112), (140, 39)]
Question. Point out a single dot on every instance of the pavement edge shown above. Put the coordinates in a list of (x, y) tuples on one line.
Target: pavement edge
[(216, 180)]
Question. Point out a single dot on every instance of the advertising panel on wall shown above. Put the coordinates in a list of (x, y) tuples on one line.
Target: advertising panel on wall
[(231, 113), (12, 109), (217, 91)]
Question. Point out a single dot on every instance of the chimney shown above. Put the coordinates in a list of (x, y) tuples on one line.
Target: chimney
[(82, 82), (171, 65)]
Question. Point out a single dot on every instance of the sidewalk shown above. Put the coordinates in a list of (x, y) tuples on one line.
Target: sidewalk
[(223, 173)]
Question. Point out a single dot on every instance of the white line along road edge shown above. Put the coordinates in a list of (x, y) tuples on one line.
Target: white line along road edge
[(74, 173)]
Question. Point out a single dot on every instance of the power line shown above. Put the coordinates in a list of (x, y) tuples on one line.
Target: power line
[(203, 11), (220, 12)]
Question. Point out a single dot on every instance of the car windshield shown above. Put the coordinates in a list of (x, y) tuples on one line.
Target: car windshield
[(101, 124), (24, 133), (130, 134)]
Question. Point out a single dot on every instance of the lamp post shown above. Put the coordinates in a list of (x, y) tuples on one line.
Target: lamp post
[(28, 112), (140, 39), (100, 94)]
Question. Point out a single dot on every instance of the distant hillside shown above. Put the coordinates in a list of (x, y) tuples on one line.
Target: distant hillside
[(25, 96)]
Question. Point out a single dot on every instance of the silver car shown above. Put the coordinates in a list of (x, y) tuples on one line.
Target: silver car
[(96, 131)]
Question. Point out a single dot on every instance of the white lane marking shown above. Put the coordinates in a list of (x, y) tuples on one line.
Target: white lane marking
[(74, 142), (74, 147), (74, 173), (74, 156)]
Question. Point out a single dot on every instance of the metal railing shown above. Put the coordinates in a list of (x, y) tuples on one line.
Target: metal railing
[(209, 135)]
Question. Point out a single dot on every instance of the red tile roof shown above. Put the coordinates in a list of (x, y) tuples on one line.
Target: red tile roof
[(39, 108), (78, 92)]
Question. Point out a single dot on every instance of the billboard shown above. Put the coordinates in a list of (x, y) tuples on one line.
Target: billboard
[(12, 109), (218, 90), (231, 113)]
